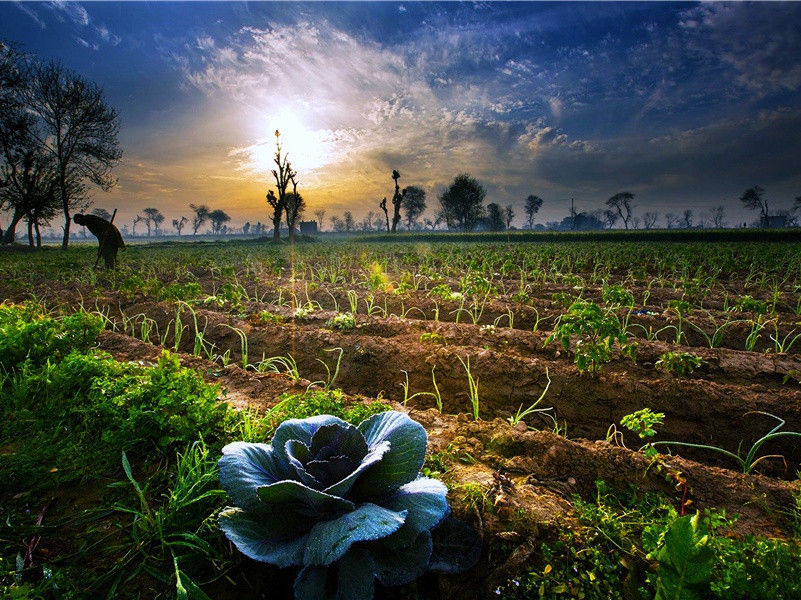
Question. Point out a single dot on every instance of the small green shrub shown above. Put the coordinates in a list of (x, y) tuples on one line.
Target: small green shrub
[(185, 292), (642, 422), (26, 335), (616, 295), (432, 337), (342, 322), (597, 332), (681, 364), (266, 316)]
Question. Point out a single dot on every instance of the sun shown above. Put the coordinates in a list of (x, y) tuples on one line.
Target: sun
[(308, 149)]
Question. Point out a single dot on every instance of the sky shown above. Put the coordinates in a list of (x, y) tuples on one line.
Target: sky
[(683, 104)]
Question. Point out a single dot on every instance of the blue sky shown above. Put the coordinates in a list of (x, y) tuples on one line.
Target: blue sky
[(684, 104)]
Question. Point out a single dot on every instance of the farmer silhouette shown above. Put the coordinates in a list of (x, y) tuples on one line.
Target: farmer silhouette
[(107, 234)]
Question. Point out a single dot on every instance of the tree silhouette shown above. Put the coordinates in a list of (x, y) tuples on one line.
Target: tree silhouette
[(153, 215), (533, 205), (462, 203), (649, 219), (754, 199), (27, 174), (508, 215), (670, 220), (494, 217), (337, 224), (294, 207), (284, 175), (178, 224), (136, 219), (77, 128), (383, 206), (201, 216), (719, 217), (397, 199), (102, 213), (218, 218), (320, 216), (687, 219), (348, 217), (621, 202), (413, 201), (609, 218)]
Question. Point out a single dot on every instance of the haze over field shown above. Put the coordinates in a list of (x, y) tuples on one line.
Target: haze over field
[(685, 105)]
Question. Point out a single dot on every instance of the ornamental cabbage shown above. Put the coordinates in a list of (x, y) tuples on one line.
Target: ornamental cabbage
[(347, 504)]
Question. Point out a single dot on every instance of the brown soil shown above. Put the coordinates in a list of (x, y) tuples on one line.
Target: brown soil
[(527, 478), (710, 407)]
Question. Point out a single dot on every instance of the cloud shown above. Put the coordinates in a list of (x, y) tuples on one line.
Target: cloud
[(79, 17), (73, 10), (28, 10), (760, 45), (656, 109)]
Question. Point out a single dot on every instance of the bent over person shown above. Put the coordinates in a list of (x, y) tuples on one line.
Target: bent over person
[(107, 234)]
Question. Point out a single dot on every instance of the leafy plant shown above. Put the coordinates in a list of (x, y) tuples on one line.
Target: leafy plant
[(342, 321), (617, 295), (346, 504), (681, 364), (265, 316), (597, 333), (642, 422), (685, 561), (433, 337)]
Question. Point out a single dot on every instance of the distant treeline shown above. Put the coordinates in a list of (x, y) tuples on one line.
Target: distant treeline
[(617, 235)]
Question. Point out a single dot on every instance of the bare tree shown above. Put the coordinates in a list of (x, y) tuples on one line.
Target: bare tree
[(283, 175), (320, 215), (367, 221), (178, 224), (649, 219), (508, 214), (533, 205), (337, 224), (397, 198), (671, 220), (136, 219), (687, 219), (383, 206), (77, 128), (621, 202), (719, 217), (201, 216), (609, 218)]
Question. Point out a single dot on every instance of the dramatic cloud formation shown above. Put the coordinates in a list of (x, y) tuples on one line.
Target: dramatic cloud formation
[(683, 104)]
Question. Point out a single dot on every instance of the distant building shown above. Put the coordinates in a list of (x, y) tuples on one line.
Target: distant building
[(308, 227), (774, 221)]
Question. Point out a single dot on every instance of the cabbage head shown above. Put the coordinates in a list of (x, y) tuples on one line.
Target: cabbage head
[(345, 503)]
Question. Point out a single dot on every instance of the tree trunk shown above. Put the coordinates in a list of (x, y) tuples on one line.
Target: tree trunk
[(38, 233), (65, 205), (277, 226), (30, 231), (10, 233)]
